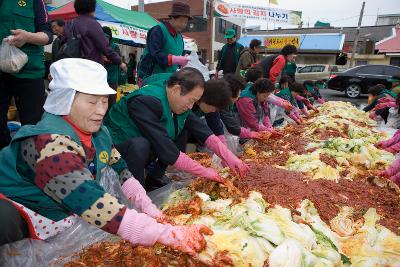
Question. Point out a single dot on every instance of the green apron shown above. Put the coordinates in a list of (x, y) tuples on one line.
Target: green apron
[(17, 178), (173, 46), (14, 15), (112, 69), (121, 125), (287, 95)]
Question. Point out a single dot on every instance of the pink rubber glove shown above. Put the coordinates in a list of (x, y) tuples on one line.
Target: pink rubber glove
[(394, 148), (280, 102), (235, 164), (372, 115), (222, 139), (305, 112), (179, 60), (393, 169), (185, 163), (186, 238), (395, 179), (246, 133), (140, 229), (136, 194), (390, 142), (320, 100), (294, 116), (262, 128)]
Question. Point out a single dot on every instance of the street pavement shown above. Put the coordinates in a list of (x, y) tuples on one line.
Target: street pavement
[(332, 95)]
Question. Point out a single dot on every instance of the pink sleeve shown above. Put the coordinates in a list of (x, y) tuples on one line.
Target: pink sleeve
[(394, 168), (276, 100), (277, 67), (246, 111)]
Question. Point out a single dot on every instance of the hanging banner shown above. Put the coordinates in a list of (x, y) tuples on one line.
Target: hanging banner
[(137, 35), (278, 42), (222, 9)]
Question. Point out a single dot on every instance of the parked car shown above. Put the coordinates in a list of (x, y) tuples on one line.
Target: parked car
[(356, 81), (315, 72)]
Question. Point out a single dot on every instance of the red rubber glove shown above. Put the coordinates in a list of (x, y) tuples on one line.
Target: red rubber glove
[(233, 162), (185, 163)]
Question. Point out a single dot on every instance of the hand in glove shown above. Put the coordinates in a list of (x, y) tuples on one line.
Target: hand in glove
[(185, 163), (140, 229), (179, 60), (233, 162), (136, 194), (187, 238), (222, 139)]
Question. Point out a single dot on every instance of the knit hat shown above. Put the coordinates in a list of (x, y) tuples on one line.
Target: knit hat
[(180, 9)]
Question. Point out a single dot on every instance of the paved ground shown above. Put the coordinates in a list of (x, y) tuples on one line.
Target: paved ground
[(333, 95)]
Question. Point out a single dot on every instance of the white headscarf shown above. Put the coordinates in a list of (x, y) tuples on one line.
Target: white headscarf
[(71, 75)]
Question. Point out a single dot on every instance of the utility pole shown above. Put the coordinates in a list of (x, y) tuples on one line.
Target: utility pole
[(141, 6), (357, 36), (211, 27)]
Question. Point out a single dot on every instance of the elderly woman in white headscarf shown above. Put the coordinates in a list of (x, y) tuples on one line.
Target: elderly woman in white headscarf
[(50, 171)]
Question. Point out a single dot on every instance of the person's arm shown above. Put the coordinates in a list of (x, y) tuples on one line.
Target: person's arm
[(146, 112), (198, 128), (155, 46), (42, 35), (247, 112), (230, 121), (220, 64), (62, 175), (95, 33), (277, 67), (371, 106), (213, 120)]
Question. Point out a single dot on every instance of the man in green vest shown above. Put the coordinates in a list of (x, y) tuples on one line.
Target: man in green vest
[(147, 126), (27, 23), (230, 54), (164, 44)]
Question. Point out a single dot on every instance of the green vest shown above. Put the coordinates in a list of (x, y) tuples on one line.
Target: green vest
[(20, 15), (112, 69), (173, 46), (121, 125), (310, 88), (247, 93), (287, 95), (389, 92), (17, 178), (290, 68), (236, 52)]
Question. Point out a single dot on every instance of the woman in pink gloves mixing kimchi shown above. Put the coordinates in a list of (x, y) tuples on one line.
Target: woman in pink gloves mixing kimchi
[(50, 171)]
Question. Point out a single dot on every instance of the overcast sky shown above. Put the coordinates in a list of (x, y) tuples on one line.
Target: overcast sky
[(337, 12)]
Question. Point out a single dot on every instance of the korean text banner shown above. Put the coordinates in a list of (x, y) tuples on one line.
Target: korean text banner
[(137, 35), (222, 9), (278, 42)]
